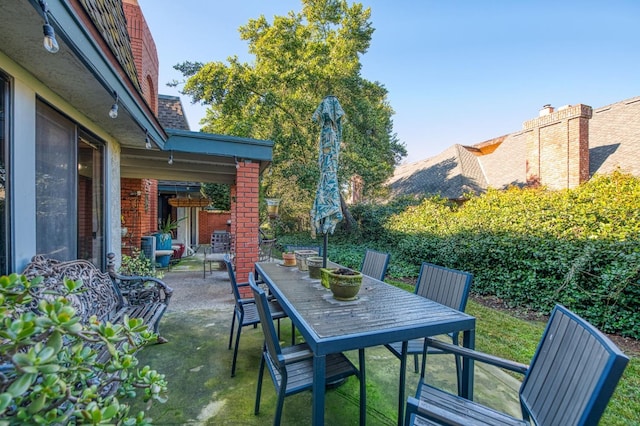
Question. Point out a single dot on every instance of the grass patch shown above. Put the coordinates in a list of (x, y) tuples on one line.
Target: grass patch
[(506, 336)]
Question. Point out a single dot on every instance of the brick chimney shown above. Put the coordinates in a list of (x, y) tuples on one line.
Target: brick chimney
[(558, 146), (144, 52)]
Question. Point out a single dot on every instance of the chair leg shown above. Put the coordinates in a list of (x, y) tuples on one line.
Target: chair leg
[(233, 323), (256, 410), (281, 394), (235, 349), (293, 333), (415, 362)]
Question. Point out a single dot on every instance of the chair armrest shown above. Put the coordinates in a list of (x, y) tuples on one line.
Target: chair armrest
[(432, 413), (300, 352), (138, 290), (477, 356)]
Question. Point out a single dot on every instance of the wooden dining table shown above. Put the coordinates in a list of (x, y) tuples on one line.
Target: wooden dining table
[(380, 314)]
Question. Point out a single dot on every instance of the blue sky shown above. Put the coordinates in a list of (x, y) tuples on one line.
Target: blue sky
[(457, 71)]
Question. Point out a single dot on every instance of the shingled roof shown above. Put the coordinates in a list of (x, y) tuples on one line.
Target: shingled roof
[(170, 113), (614, 143), (450, 174)]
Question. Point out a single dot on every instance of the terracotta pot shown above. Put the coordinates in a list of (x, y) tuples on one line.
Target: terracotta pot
[(289, 259)]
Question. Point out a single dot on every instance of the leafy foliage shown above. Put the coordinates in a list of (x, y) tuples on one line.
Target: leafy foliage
[(531, 247), (49, 366), (138, 265), (299, 59), (219, 194)]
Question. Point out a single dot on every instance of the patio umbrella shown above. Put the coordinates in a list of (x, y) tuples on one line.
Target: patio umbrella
[(326, 211)]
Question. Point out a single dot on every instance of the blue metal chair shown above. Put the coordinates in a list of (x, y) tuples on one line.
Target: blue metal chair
[(291, 367), (245, 312), (448, 287), (375, 264), (570, 380)]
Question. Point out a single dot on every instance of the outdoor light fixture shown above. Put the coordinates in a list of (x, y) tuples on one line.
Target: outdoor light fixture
[(170, 158), (147, 141), (50, 43), (113, 112)]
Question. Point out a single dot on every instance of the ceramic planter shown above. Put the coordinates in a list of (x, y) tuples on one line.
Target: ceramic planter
[(289, 259), (302, 256), (344, 283), (315, 264)]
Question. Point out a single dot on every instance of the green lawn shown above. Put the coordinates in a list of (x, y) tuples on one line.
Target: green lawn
[(504, 335)]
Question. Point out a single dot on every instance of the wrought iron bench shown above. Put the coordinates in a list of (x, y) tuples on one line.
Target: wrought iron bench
[(108, 296)]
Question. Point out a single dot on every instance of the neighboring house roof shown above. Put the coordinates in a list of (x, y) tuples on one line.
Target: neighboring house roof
[(450, 174), (170, 113), (613, 140)]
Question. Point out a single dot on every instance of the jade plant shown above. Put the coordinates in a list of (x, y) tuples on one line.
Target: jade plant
[(49, 367)]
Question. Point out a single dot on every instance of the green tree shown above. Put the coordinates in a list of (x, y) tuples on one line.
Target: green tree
[(298, 60), (218, 193)]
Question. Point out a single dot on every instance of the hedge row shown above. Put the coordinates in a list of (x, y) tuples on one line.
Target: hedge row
[(531, 247)]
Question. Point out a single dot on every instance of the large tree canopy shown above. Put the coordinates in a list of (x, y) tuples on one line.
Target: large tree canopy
[(298, 60)]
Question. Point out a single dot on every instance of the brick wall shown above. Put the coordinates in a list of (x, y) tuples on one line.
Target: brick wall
[(558, 147), (209, 221), (144, 50), (245, 219), (139, 209)]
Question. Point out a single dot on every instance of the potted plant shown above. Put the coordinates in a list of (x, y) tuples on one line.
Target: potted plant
[(289, 258), (163, 238), (344, 283)]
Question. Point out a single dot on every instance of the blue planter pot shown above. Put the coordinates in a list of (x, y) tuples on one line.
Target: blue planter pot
[(163, 242)]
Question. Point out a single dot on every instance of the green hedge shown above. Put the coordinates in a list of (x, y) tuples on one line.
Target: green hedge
[(535, 248)]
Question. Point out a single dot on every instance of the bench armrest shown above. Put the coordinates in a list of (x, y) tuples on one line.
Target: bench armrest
[(477, 356), (138, 290)]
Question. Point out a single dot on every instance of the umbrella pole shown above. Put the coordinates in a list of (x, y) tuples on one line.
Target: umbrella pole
[(324, 250)]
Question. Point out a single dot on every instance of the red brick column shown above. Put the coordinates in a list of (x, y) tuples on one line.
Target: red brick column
[(245, 219), (139, 209)]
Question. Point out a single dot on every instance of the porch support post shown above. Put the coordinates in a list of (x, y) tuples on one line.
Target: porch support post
[(245, 218)]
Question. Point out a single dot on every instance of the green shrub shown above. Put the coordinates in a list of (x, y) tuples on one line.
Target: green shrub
[(138, 265), (49, 370)]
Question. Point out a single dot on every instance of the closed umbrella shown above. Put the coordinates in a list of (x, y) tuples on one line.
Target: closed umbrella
[(326, 211)]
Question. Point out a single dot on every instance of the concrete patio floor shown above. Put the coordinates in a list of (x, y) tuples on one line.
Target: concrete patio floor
[(197, 365)]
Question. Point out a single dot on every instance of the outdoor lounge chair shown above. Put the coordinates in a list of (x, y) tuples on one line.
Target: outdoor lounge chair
[(448, 287), (245, 312), (570, 380), (375, 264), (291, 367)]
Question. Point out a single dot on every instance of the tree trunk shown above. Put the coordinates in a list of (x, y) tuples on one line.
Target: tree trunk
[(348, 223)]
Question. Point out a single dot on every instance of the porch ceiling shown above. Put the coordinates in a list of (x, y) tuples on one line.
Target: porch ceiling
[(153, 164)]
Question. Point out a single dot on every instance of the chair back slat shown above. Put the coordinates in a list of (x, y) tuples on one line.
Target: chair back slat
[(375, 264), (220, 242), (446, 286), (234, 284), (270, 336), (572, 374)]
